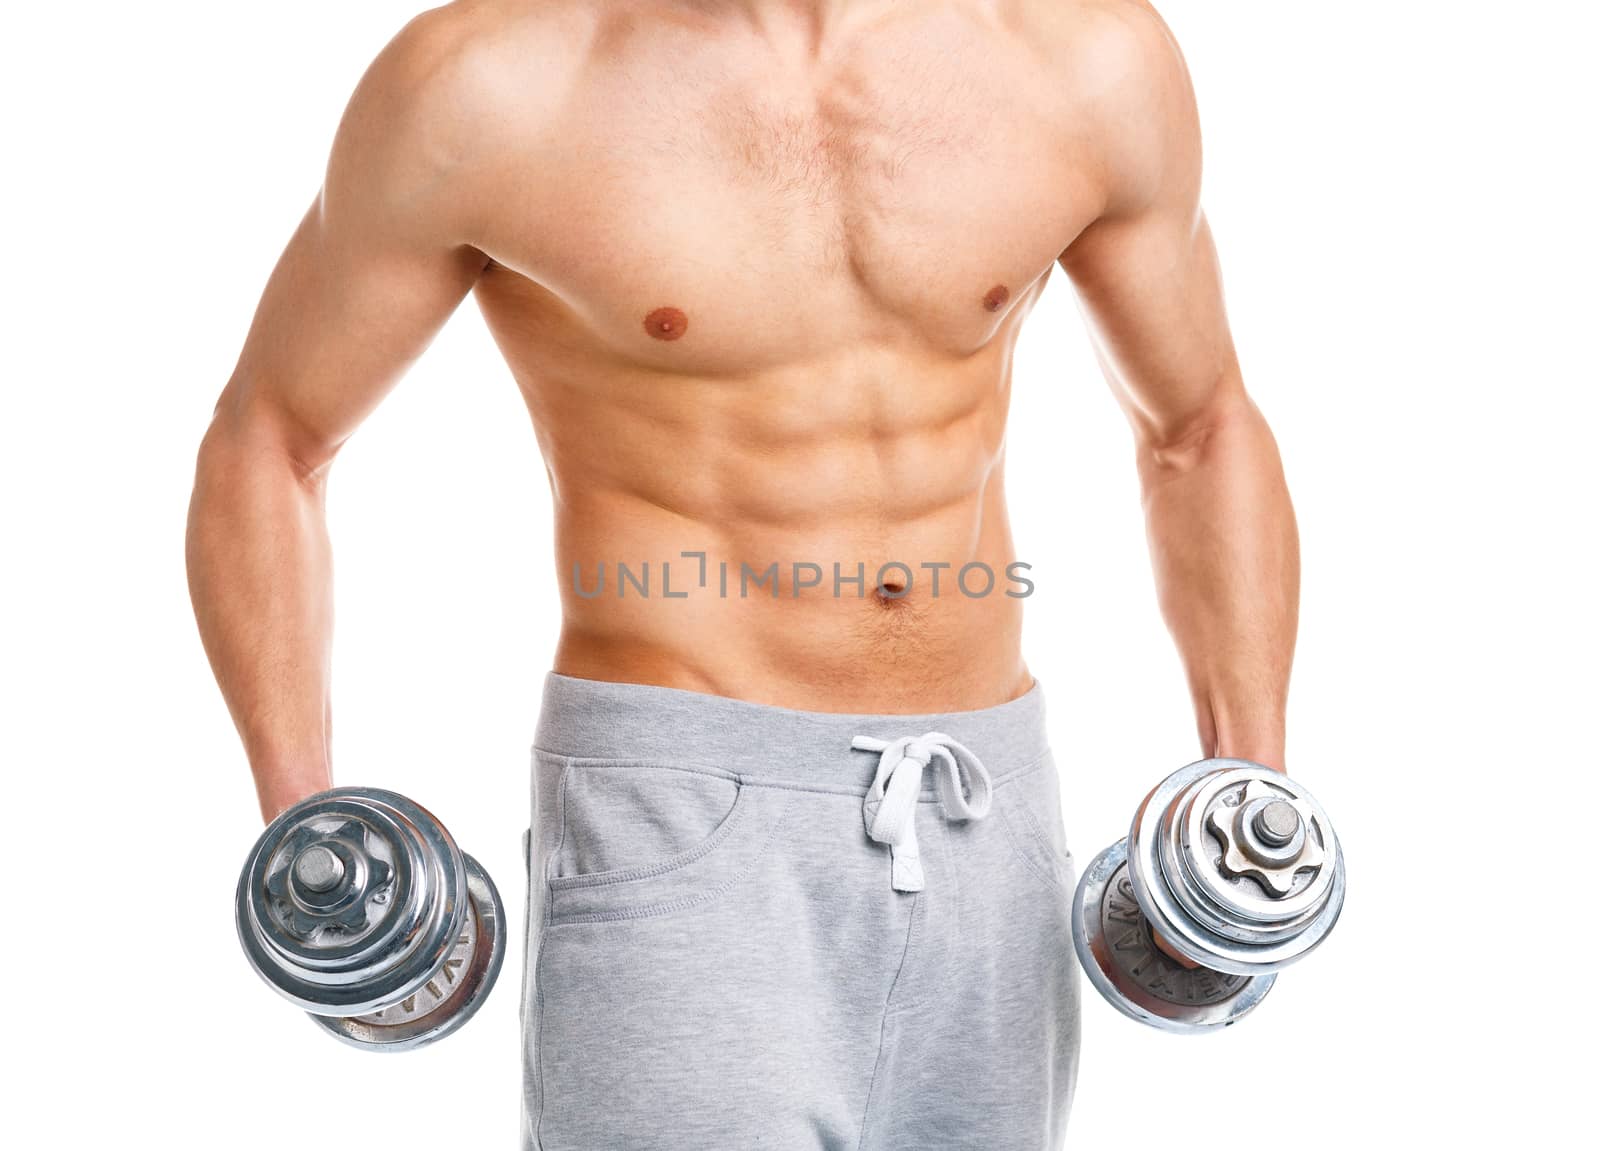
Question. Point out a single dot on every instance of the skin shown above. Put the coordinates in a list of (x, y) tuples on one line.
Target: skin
[(758, 270)]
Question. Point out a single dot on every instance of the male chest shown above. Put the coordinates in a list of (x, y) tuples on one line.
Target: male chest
[(722, 225)]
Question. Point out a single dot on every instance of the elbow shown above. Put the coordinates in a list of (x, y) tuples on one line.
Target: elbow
[(1179, 442), (249, 471), (247, 437)]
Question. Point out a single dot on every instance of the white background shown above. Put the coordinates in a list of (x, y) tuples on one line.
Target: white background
[(1406, 214)]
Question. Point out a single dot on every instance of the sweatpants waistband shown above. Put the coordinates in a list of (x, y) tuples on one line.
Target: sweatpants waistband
[(595, 719)]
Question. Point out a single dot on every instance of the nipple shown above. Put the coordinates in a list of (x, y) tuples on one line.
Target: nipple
[(666, 323)]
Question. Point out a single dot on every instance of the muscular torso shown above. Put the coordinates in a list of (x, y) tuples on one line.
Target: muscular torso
[(758, 268), (766, 313)]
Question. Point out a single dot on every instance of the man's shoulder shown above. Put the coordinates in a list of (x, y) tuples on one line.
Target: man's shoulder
[(1121, 89), (1101, 46), (451, 92), (477, 50), (460, 83)]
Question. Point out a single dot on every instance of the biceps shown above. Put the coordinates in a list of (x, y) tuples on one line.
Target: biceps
[(343, 315), (1151, 290)]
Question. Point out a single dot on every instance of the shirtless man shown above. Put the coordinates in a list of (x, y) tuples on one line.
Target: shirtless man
[(758, 267)]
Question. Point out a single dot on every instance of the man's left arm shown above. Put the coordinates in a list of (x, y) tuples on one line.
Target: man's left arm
[(1221, 528)]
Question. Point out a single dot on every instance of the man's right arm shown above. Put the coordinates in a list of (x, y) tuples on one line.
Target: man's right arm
[(375, 268), (1221, 526)]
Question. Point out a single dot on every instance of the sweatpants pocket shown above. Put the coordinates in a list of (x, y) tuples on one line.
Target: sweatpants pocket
[(1030, 804), (641, 839)]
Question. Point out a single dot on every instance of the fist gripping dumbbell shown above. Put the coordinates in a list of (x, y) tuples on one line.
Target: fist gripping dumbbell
[(1229, 864), (357, 906)]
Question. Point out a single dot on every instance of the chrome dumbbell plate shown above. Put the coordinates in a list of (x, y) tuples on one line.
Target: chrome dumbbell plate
[(1117, 950), (357, 906), (457, 989), (1236, 866), (1231, 866)]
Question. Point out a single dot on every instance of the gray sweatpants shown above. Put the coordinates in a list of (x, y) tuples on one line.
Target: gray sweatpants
[(751, 927)]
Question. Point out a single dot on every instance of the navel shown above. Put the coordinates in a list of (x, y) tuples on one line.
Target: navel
[(995, 298), (666, 323), (892, 590)]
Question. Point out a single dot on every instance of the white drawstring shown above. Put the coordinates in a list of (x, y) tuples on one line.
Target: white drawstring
[(891, 804)]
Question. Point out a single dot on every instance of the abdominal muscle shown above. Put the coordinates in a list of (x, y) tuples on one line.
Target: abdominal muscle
[(775, 622), (844, 523)]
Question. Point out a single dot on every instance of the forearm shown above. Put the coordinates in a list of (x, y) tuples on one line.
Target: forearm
[(1227, 566), (260, 578)]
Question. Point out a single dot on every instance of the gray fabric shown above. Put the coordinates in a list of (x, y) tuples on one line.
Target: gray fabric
[(718, 959)]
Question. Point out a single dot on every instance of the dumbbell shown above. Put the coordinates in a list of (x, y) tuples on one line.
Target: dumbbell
[(357, 906), (1228, 864)]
